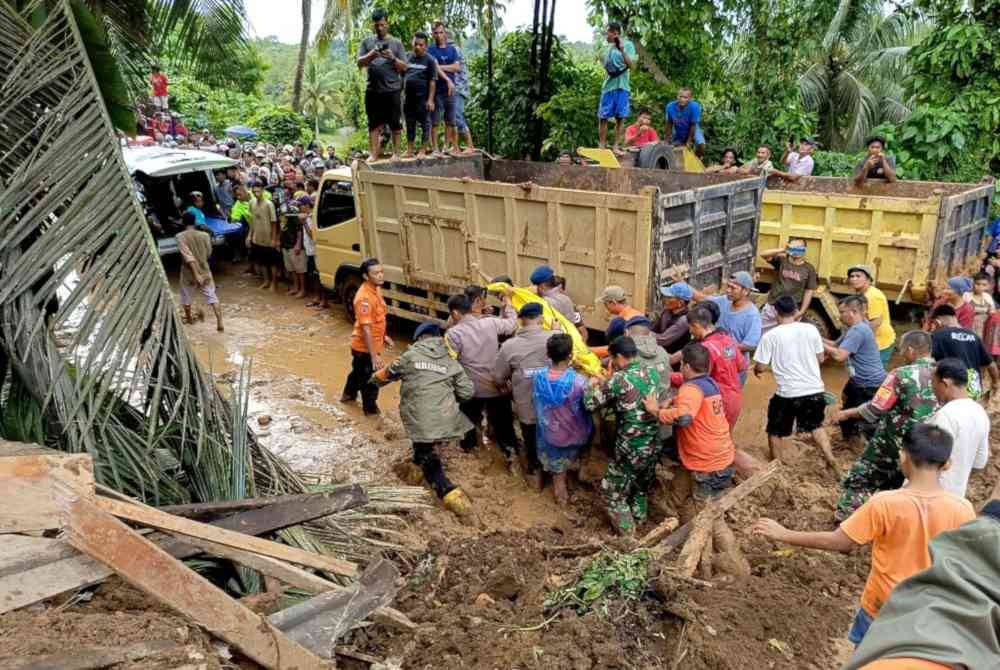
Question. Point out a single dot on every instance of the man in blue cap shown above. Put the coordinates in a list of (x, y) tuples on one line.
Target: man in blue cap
[(520, 359), (544, 280), (671, 326), (795, 277), (433, 385), (738, 316)]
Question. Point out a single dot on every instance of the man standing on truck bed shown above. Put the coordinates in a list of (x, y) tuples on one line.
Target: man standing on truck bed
[(795, 277), (615, 93), (368, 339), (447, 98), (862, 280), (385, 60), (684, 122), (877, 165)]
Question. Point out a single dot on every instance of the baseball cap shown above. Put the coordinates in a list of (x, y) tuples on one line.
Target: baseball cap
[(960, 285), (531, 310), (638, 321), (541, 274), (613, 294), (679, 290), (867, 269), (743, 278), (427, 328)]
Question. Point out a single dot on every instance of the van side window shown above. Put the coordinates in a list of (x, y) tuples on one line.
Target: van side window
[(336, 204)]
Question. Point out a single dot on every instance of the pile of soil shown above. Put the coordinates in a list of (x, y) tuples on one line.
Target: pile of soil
[(117, 615)]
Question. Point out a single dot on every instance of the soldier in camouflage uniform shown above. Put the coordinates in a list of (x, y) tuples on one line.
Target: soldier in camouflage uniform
[(637, 449), (905, 399)]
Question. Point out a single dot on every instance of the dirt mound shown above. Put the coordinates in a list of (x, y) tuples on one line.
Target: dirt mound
[(116, 616)]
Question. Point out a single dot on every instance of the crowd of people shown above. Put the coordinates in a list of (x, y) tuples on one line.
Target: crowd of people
[(671, 393)]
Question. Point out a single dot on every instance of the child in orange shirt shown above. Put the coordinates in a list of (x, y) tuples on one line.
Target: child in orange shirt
[(704, 445), (899, 523)]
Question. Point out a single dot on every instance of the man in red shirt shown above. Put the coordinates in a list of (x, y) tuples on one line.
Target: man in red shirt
[(368, 339), (641, 133), (159, 82), (727, 361)]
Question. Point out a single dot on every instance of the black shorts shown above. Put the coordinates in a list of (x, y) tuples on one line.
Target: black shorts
[(384, 109), (788, 415), (266, 256)]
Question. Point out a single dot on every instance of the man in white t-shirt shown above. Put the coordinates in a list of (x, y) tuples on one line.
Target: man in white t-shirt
[(799, 163), (965, 419), (794, 351)]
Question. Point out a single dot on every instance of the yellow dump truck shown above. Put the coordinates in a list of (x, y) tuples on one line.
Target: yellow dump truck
[(913, 233), (440, 225)]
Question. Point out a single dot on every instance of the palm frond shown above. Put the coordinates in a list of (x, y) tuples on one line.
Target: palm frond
[(860, 107), (338, 19), (836, 27), (814, 86)]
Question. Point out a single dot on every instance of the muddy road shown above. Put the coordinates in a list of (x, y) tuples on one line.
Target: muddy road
[(480, 590)]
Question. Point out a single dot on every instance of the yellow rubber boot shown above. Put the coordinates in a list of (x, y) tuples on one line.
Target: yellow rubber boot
[(457, 502)]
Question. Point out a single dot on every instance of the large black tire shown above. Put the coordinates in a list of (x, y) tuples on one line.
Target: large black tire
[(823, 325), (348, 289), (658, 156)]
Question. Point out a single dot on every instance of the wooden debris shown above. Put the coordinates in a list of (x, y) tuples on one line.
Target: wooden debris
[(317, 623), (285, 572), (293, 509), (27, 474), (45, 577), (93, 658), (94, 531), (357, 655), (702, 526), (149, 516), (654, 536)]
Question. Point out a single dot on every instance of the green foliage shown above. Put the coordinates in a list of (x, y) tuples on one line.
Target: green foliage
[(113, 86), (570, 114), (279, 125), (610, 575), (211, 107), (835, 164)]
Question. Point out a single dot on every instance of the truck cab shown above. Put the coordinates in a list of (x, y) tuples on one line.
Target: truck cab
[(338, 236)]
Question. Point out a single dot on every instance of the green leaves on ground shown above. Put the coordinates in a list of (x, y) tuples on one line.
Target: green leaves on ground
[(611, 575)]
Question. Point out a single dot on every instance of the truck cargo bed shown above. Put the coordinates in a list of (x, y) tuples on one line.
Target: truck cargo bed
[(438, 225)]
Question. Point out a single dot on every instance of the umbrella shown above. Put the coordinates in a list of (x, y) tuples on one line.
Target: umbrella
[(241, 132)]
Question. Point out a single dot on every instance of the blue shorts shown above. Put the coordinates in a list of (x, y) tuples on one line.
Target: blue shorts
[(699, 137), (445, 106), (460, 123), (615, 105), (862, 622)]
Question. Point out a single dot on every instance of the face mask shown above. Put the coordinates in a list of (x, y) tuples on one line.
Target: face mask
[(796, 251)]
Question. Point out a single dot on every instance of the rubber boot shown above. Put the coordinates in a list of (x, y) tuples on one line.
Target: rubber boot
[(457, 502)]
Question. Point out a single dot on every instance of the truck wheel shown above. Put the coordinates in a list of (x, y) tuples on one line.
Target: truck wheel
[(814, 317), (658, 156), (348, 290)]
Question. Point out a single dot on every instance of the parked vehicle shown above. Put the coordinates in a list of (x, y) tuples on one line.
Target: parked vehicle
[(164, 177), (914, 233), (439, 225)]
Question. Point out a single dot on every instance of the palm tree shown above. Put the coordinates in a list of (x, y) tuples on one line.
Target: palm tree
[(337, 17), (316, 98), (303, 48), (854, 79)]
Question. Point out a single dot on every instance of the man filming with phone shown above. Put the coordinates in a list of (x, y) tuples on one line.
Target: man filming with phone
[(385, 60)]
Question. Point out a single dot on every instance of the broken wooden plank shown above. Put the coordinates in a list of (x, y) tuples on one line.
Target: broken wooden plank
[(26, 479), (285, 572), (80, 571), (150, 516), (701, 526), (665, 527), (21, 552), (96, 532), (317, 623), (297, 506), (94, 657)]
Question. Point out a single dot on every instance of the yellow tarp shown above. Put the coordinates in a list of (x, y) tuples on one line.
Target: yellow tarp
[(583, 358)]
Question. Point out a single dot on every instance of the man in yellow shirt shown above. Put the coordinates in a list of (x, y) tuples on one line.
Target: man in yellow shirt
[(862, 280)]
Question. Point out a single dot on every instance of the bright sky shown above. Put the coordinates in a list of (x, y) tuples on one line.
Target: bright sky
[(284, 20)]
